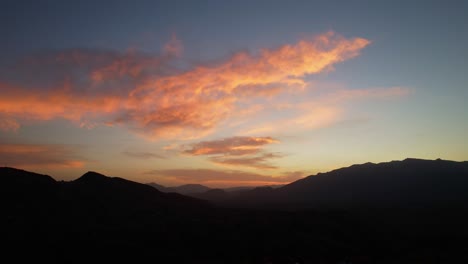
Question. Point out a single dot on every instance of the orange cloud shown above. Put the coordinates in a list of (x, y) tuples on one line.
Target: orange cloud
[(143, 155), (233, 146), (174, 47), (144, 93), (322, 110), (227, 151), (38, 156), (8, 124), (126, 67), (258, 162), (22, 104), (201, 98), (223, 178)]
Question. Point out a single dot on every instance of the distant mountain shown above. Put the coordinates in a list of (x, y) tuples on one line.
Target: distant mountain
[(158, 187), (239, 189), (188, 189), (221, 196), (182, 189), (197, 190), (216, 195), (407, 183), (248, 188)]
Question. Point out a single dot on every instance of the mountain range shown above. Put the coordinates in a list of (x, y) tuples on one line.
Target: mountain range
[(403, 184), (412, 210), (198, 189), (407, 183)]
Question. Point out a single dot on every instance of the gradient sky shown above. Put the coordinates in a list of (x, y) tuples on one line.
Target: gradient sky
[(230, 93)]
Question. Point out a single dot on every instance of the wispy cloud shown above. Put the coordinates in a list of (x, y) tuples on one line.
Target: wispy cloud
[(144, 93), (227, 151), (321, 110), (233, 146), (259, 162), (174, 47), (143, 155), (8, 124), (195, 102), (222, 177), (39, 156)]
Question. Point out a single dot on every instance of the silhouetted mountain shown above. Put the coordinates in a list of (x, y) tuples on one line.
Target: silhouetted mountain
[(158, 187), (213, 195), (239, 189), (93, 193), (363, 216), (24, 178), (221, 196), (248, 188), (198, 190), (21, 189), (16, 181), (101, 215), (188, 189), (118, 193), (182, 189), (407, 183)]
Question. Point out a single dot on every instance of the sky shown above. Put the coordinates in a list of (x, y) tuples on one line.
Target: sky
[(230, 93)]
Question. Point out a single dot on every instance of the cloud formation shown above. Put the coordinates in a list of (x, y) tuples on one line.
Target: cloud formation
[(233, 146), (8, 124), (174, 47), (321, 110), (143, 92), (258, 162), (227, 151), (143, 155), (39, 156), (224, 178)]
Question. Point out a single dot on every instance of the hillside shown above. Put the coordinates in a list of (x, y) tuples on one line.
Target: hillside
[(415, 213)]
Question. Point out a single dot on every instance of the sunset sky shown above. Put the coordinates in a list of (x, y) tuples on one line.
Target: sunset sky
[(230, 93)]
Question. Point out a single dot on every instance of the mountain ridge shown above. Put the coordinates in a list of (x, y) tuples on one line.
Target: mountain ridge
[(113, 218), (411, 181)]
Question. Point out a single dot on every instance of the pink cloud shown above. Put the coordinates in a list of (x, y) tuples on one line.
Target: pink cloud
[(321, 111), (257, 162), (143, 155), (174, 47), (234, 146), (227, 151), (33, 156), (144, 93), (8, 124)]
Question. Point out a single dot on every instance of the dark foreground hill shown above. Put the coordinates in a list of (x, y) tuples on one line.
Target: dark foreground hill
[(30, 190), (95, 213), (97, 218)]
